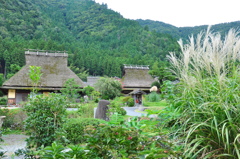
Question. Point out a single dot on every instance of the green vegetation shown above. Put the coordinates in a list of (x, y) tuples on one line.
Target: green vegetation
[(207, 99), (99, 41), (3, 100), (71, 90), (198, 116), (161, 103), (14, 119), (50, 109), (75, 127), (108, 87), (184, 32), (35, 76)]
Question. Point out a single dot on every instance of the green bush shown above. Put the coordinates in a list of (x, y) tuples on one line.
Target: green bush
[(116, 107), (133, 139), (74, 128), (56, 150), (118, 110), (14, 118), (129, 101), (153, 97), (87, 110), (45, 117), (3, 100)]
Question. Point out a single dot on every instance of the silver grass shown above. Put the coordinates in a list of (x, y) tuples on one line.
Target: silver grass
[(209, 56)]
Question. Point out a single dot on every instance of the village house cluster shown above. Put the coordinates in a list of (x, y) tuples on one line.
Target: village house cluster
[(55, 72)]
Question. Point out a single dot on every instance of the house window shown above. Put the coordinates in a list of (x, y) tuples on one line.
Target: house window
[(11, 93)]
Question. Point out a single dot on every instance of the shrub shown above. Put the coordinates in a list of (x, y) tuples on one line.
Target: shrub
[(108, 87), (14, 118), (156, 83), (3, 100), (129, 101), (153, 97), (46, 115), (115, 107), (74, 128), (86, 110), (106, 141), (58, 151), (128, 140)]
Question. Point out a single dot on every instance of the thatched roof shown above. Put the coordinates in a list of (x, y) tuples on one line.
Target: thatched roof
[(136, 77), (91, 80), (54, 71)]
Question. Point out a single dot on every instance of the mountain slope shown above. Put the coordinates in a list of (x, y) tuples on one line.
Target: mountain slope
[(185, 32), (97, 39)]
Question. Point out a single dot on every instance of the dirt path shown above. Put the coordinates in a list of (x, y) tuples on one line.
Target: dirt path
[(12, 143)]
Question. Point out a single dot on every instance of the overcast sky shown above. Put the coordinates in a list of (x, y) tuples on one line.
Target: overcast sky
[(178, 12)]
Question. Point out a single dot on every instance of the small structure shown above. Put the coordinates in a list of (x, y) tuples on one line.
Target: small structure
[(136, 77), (101, 112), (54, 74), (137, 96)]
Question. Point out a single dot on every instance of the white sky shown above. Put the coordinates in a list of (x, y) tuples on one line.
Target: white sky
[(178, 12)]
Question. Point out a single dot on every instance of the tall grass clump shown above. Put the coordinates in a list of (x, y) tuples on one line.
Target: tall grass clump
[(208, 96)]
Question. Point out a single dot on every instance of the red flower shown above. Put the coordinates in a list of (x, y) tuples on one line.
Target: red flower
[(129, 138)]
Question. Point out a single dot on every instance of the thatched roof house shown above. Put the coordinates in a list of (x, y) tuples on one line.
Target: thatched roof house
[(54, 74), (136, 77)]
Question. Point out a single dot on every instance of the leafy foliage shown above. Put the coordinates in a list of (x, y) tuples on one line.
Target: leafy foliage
[(3, 100), (153, 97), (50, 109), (75, 128), (35, 76), (71, 90), (108, 87), (129, 101), (58, 151), (88, 90)]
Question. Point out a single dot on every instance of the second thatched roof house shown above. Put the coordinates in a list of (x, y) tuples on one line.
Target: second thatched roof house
[(54, 74), (136, 77)]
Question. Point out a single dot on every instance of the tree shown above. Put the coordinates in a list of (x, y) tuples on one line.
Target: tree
[(14, 68), (159, 70), (1, 82), (80, 72), (35, 76), (88, 90), (71, 89), (108, 87)]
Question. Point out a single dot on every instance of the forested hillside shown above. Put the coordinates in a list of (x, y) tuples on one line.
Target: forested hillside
[(184, 32), (97, 39)]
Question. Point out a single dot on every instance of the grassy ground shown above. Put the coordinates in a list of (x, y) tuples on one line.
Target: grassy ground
[(161, 103)]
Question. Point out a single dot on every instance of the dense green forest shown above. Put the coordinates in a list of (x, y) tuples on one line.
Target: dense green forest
[(99, 40), (185, 32)]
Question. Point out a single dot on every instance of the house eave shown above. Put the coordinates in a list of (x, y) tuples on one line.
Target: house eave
[(30, 88)]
